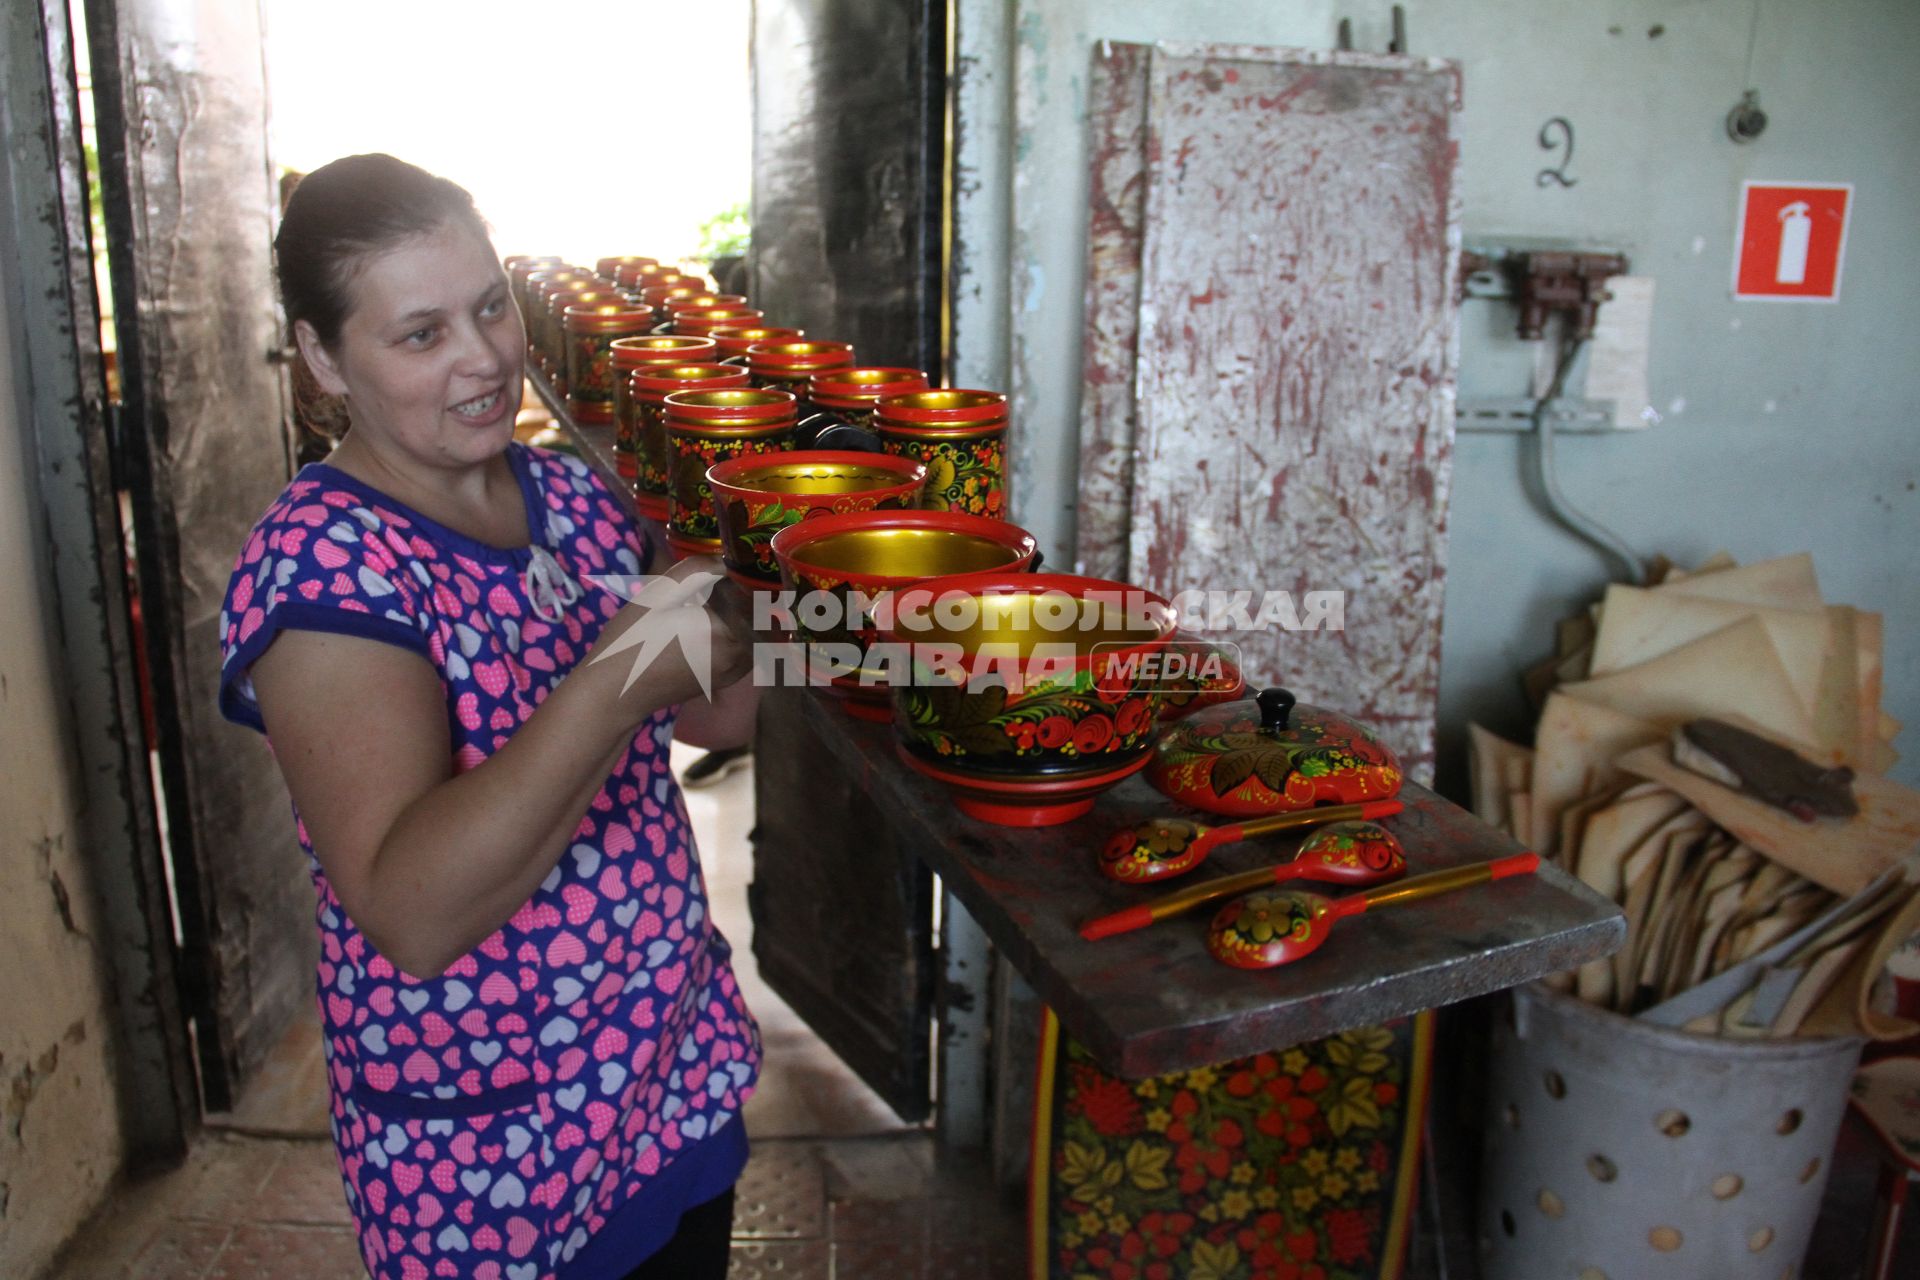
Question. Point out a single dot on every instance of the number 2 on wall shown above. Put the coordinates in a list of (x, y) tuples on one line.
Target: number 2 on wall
[(1548, 142)]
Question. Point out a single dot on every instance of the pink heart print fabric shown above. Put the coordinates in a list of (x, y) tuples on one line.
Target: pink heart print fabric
[(492, 1120)]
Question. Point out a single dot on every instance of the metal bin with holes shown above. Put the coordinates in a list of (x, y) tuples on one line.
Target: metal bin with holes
[(1619, 1150)]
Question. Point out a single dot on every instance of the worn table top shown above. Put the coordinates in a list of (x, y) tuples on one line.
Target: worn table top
[(1153, 1001)]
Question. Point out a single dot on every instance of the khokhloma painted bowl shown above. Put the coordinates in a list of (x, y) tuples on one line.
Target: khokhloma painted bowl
[(755, 497), (1030, 694), (851, 559)]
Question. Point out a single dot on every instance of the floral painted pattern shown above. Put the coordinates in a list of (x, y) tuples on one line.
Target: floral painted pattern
[(1050, 722), (590, 375), (1265, 928), (1292, 1165), (967, 475), (652, 472), (492, 1119), (1149, 850), (1223, 761), (747, 528), (1359, 846), (691, 512)]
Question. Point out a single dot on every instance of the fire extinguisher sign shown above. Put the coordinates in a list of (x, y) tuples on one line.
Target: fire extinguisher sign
[(1790, 240)]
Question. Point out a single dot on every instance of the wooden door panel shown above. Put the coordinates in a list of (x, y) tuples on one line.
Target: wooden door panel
[(1282, 227), (848, 113), (842, 911)]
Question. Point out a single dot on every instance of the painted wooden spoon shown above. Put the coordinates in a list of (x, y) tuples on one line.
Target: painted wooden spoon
[(1274, 927), (1350, 853), (1162, 848)]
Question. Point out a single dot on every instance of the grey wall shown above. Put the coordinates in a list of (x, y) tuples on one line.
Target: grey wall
[(1785, 426)]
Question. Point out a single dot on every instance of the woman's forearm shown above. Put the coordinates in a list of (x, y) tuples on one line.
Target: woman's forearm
[(460, 860)]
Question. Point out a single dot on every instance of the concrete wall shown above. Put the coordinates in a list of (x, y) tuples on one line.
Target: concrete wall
[(1784, 426), (60, 1139)]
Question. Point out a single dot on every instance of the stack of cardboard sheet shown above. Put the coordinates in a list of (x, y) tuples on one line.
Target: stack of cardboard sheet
[(1740, 916)]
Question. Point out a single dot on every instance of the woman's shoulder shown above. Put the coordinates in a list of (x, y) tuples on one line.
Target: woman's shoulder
[(327, 555), (325, 522)]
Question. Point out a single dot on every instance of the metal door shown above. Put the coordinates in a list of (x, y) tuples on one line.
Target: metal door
[(180, 94), (848, 167), (55, 318), (848, 164)]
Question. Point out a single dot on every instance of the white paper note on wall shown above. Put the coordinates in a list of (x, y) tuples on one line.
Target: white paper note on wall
[(1617, 356)]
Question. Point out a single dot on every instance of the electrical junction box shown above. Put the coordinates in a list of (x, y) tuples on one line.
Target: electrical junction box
[(1522, 299)]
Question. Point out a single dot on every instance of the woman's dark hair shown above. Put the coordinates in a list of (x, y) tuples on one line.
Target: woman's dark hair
[(344, 211)]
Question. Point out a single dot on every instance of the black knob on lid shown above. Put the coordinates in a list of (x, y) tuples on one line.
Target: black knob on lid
[(1276, 705)]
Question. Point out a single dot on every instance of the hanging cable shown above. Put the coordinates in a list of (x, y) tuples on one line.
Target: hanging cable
[(1587, 529)]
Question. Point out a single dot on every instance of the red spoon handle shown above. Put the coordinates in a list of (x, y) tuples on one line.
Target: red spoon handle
[(1142, 914), (1517, 864), (1437, 882), (1134, 917)]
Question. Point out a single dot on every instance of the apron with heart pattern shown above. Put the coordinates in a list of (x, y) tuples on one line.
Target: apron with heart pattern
[(491, 1121)]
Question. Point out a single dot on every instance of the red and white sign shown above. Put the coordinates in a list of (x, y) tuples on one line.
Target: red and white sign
[(1790, 240)]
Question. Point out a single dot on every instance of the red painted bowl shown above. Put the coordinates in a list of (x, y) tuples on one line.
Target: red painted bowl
[(1030, 694), (851, 560), (756, 497)]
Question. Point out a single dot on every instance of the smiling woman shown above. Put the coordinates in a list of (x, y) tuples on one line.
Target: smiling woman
[(537, 1052), (428, 345)]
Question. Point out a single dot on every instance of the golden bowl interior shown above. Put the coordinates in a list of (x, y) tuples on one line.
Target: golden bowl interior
[(1012, 623), (871, 377), (944, 400), (660, 342), (817, 478), (907, 552), (685, 372), (734, 397), (806, 348)]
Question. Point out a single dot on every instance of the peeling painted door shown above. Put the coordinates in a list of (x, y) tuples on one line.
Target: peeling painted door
[(1269, 388), (189, 197)]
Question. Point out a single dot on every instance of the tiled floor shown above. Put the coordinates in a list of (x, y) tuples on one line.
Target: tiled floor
[(837, 1189), (871, 1208)]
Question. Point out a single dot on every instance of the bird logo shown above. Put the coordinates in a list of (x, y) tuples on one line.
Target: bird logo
[(674, 612)]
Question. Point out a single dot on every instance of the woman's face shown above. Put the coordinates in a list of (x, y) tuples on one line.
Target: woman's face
[(429, 356)]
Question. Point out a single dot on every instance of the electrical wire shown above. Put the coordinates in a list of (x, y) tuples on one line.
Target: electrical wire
[(1753, 39), (1583, 527)]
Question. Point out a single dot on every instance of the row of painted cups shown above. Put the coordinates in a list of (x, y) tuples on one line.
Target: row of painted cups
[(712, 382), (706, 413)]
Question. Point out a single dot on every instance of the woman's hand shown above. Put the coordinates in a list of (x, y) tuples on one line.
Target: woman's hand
[(650, 653)]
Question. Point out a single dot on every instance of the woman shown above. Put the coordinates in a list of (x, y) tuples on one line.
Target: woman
[(536, 1048)]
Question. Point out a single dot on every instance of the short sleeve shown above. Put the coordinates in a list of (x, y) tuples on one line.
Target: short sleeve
[(321, 559)]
